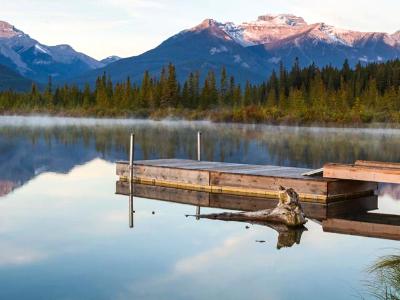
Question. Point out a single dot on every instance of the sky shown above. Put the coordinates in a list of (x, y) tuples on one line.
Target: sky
[(101, 28)]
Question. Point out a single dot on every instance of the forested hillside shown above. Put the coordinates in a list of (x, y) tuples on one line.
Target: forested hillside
[(367, 93)]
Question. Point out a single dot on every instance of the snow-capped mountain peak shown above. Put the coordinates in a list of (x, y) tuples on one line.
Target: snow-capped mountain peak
[(212, 26), (282, 20), (204, 25), (264, 30), (396, 36), (272, 29), (8, 31)]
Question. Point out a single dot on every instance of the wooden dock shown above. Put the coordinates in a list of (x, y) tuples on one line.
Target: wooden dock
[(371, 171), (242, 179)]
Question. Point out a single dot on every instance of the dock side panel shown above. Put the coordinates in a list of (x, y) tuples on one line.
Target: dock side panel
[(268, 183)]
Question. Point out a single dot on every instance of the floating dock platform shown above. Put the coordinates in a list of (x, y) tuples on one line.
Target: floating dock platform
[(242, 179)]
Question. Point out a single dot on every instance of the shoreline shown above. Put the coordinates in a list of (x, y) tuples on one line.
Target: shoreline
[(6, 118)]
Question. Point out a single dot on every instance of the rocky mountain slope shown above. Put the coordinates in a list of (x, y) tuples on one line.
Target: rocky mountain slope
[(251, 50), (31, 59)]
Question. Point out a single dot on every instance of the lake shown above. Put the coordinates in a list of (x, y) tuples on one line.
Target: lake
[(64, 232)]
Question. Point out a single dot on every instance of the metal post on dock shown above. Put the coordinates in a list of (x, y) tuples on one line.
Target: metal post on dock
[(131, 156), (131, 159), (199, 145), (197, 213)]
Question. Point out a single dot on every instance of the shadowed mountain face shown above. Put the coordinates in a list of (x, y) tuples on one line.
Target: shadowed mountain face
[(251, 50), (57, 145), (12, 80)]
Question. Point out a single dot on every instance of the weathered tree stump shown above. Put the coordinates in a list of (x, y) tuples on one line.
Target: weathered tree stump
[(287, 212)]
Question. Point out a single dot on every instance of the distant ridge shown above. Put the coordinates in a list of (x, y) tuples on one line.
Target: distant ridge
[(110, 59), (251, 50)]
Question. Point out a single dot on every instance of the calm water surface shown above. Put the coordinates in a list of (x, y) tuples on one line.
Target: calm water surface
[(64, 233)]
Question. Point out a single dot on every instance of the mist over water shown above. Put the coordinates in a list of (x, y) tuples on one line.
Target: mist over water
[(62, 226)]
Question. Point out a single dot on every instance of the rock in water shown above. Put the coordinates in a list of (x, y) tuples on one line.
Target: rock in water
[(288, 212)]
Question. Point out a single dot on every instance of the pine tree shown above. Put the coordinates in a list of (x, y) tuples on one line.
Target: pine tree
[(87, 97), (247, 98), (145, 95), (48, 96), (223, 86)]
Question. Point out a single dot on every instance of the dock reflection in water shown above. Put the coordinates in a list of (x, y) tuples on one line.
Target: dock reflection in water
[(350, 216)]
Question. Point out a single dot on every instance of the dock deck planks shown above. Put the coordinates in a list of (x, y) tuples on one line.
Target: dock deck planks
[(241, 179), (364, 171)]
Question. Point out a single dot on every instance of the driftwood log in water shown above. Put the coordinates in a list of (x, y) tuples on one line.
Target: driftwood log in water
[(287, 212), (287, 236)]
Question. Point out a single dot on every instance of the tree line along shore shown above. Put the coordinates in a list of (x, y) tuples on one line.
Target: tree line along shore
[(366, 93)]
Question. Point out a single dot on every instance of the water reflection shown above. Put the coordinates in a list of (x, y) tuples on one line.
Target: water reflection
[(349, 216), (197, 199), (378, 225), (287, 237), (27, 149), (60, 232)]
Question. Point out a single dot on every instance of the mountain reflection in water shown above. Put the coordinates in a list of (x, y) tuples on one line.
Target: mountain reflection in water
[(31, 146)]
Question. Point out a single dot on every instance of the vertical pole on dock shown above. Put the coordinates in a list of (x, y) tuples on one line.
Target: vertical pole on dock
[(199, 159), (131, 159), (199, 146), (197, 213), (131, 155)]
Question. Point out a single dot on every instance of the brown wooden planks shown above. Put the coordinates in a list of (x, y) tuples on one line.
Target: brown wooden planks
[(122, 169), (163, 162), (363, 173), (380, 164), (240, 179), (195, 177), (267, 182), (343, 187)]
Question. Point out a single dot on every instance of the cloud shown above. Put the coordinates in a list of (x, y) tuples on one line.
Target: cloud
[(202, 260), (14, 255)]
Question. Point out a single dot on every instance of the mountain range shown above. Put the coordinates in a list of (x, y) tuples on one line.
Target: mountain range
[(36, 61), (249, 51)]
